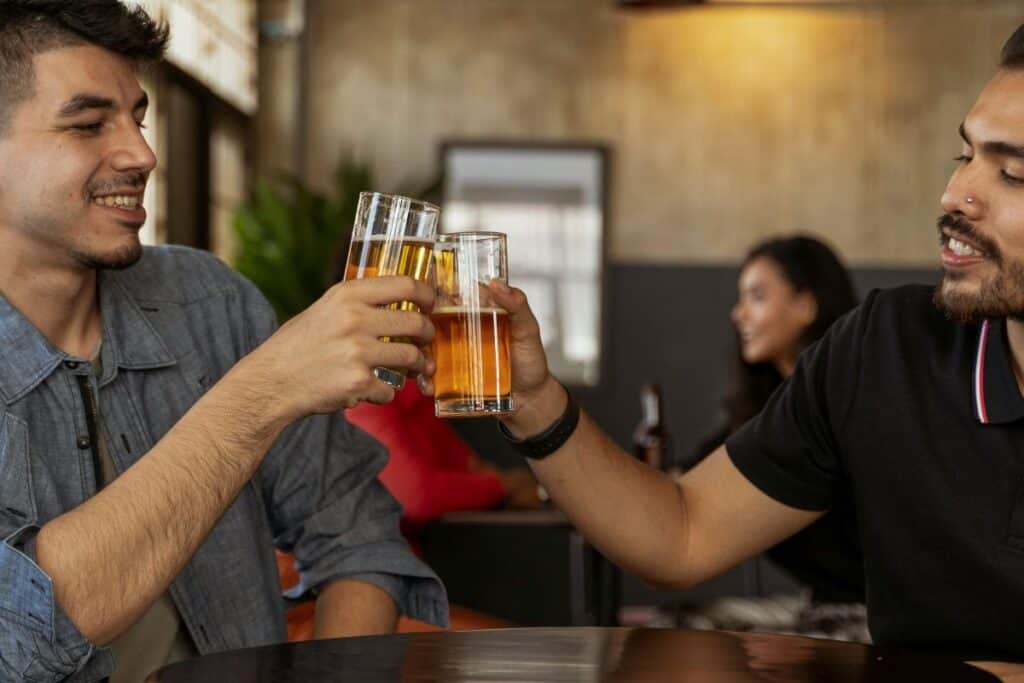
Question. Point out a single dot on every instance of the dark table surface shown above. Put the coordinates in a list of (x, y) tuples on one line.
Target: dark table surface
[(571, 654)]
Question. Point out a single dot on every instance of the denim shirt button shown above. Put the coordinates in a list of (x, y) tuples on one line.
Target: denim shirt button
[(83, 442), (71, 364)]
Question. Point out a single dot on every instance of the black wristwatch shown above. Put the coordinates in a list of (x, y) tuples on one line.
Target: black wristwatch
[(551, 439)]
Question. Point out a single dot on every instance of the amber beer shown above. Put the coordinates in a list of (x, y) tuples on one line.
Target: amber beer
[(472, 340), (377, 257), (392, 235), (473, 355)]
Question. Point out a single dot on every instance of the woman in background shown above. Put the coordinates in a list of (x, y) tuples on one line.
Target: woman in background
[(790, 291)]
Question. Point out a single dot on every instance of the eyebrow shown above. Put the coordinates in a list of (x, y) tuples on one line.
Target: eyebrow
[(84, 102), (995, 148)]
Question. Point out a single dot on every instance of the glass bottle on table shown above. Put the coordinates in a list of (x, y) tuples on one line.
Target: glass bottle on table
[(651, 443)]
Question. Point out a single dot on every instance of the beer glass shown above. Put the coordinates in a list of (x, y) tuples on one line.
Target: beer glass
[(392, 235), (471, 332)]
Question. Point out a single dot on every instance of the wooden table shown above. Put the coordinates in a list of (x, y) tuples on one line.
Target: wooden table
[(539, 655)]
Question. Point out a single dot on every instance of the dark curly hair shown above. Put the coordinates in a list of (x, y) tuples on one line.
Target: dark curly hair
[(32, 27), (1013, 51)]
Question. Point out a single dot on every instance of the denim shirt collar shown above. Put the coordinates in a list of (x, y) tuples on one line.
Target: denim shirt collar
[(129, 341)]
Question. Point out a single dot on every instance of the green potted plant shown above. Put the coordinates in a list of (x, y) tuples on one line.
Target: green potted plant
[(290, 240)]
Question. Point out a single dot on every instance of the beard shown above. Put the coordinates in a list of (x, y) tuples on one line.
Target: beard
[(114, 259), (997, 296)]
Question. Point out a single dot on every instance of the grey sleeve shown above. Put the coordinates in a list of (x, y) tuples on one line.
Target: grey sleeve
[(326, 506), (38, 641)]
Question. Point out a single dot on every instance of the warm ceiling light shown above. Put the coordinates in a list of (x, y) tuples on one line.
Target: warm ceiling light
[(682, 3), (660, 3), (797, 2)]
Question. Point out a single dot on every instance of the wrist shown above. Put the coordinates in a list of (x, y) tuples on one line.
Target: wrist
[(249, 390), (552, 438), (538, 410)]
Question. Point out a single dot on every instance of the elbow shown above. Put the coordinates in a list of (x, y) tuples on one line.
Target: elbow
[(668, 584), (25, 655), (669, 579), (38, 641)]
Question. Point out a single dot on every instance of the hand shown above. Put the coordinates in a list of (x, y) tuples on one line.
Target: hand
[(520, 489), (529, 362), (323, 359), (539, 398)]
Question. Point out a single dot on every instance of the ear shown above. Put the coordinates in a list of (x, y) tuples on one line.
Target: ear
[(806, 307)]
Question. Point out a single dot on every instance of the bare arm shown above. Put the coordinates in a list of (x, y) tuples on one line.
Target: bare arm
[(114, 555), (354, 608), (670, 533), (1007, 672)]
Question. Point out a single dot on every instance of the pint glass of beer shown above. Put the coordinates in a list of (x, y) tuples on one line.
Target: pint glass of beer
[(471, 339), (392, 235)]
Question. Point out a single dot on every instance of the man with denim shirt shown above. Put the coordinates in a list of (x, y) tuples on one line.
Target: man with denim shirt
[(158, 436)]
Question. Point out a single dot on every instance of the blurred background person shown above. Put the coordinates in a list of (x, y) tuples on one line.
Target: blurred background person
[(789, 292)]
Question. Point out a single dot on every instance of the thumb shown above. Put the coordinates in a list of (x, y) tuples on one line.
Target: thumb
[(524, 324)]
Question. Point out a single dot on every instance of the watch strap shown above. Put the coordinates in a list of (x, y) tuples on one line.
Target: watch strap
[(551, 439)]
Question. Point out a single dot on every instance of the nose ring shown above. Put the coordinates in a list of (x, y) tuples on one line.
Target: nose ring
[(969, 200)]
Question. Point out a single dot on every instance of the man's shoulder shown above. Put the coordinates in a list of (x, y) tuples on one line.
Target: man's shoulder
[(906, 316), (181, 275), (892, 316), (905, 305)]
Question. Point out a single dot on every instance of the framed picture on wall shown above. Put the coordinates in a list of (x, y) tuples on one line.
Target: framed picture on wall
[(551, 201)]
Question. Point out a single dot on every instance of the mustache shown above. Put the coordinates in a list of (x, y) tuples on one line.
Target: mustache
[(126, 181), (958, 225)]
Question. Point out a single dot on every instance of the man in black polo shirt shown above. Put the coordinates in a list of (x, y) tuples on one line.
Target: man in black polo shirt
[(911, 404)]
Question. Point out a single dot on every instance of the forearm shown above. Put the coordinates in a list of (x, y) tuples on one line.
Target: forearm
[(354, 608), (633, 514), (1007, 672), (112, 556)]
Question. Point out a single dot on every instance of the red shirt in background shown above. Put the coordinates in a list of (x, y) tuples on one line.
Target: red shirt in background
[(431, 471)]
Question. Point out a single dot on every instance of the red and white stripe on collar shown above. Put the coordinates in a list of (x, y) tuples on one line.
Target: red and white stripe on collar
[(979, 375)]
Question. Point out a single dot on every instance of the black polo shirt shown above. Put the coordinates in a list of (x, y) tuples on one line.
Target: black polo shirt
[(919, 420)]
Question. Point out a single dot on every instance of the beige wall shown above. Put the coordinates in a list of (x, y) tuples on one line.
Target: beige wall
[(228, 179), (726, 123)]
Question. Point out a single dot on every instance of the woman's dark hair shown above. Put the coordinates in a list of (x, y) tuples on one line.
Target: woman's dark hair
[(809, 266)]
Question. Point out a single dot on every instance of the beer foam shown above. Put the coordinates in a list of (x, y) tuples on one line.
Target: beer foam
[(397, 239), (465, 310)]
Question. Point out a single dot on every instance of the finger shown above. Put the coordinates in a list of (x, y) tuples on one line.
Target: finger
[(425, 385), (398, 355), (386, 322), (379, 395), (373, 390), (431, 367), (379, 291), (513, 300)]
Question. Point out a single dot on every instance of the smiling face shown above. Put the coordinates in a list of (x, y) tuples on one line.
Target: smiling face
[(74, 163), (770, 315), (982, 229)]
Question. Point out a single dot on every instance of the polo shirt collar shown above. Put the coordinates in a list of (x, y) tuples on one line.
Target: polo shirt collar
[(129, 341), (997, 398)]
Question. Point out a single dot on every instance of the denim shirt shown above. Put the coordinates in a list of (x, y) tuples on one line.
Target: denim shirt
[(173, 324)]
